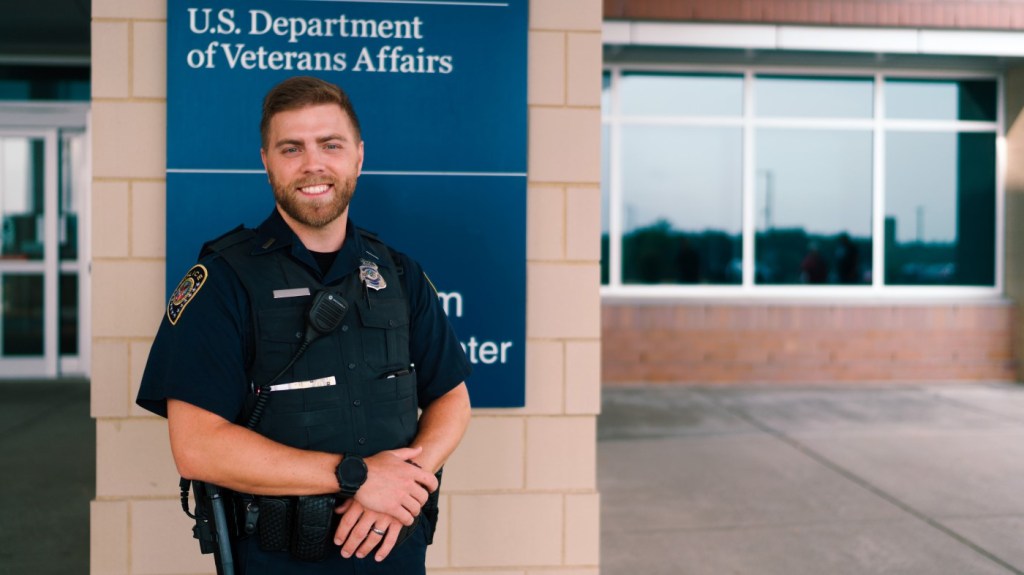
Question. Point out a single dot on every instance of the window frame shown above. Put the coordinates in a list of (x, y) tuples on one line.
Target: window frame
[(613, 120)]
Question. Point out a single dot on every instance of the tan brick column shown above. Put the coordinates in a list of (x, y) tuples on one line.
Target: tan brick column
[(1014, 266), (521, 490), (520, 495)]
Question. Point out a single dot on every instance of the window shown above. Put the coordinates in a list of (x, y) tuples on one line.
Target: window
[(813, 206), (44, 83), (757, 180), (680, 160)]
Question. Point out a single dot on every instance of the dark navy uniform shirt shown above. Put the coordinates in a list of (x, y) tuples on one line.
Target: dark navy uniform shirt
[(201, 358)]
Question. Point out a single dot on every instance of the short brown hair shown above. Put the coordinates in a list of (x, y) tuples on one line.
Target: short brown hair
[(302, 91)]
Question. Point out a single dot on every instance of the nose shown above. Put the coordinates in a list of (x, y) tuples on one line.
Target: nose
[(313, 161)]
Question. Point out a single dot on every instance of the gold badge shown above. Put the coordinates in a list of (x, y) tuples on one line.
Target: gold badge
[(186, 290)]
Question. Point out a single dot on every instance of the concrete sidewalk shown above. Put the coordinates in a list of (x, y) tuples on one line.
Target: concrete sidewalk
[(48, 477), (835, 480), (827, 480)]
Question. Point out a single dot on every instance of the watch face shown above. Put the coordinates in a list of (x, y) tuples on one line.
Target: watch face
[(353, 472)]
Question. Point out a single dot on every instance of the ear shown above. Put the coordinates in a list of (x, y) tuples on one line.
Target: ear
[(359, 168), (263, 158)]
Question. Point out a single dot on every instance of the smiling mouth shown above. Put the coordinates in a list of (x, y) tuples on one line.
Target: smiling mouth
[(314, 190)]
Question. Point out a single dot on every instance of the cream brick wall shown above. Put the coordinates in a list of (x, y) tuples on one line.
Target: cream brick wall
[(523, 479)]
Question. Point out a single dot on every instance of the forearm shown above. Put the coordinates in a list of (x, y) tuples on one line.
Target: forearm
[(442, 425), (208, 448)]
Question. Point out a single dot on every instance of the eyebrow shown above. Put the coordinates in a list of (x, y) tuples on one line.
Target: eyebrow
[(320, 140)]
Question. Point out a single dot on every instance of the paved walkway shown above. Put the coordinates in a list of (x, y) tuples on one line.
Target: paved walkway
[(831, 480), (47, 477), (837, 480)]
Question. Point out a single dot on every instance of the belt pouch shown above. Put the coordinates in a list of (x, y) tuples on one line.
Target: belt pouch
[(274, 523), (311, 533)]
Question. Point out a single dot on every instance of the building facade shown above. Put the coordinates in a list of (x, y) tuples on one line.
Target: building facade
[(764, 190), (810, 191), (520, 494)]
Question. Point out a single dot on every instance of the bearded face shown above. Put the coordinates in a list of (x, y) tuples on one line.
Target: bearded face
[(314, 201), (313, 159)]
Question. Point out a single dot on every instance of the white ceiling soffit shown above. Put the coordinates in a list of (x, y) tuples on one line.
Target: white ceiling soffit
[(814, 38)]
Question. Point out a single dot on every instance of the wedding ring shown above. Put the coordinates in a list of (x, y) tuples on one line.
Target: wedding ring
[(380, 532)]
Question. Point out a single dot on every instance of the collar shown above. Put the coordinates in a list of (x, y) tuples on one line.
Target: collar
[(274, 234)]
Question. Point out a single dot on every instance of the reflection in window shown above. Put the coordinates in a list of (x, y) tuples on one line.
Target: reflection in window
[(21, 198), (654, 94), (68, 339), (940, 208), (813, 207), (22, 327), (681, 204), (784, 97), (678, 166), (941, 100)]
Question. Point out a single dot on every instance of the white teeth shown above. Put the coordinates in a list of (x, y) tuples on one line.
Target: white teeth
[(319, 189)]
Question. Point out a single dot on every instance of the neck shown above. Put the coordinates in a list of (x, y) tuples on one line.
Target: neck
[(325, 239)]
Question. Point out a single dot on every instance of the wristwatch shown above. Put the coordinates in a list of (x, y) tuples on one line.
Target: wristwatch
[(351, 473)]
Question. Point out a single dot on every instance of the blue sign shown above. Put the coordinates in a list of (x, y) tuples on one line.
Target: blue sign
[(440, 89)]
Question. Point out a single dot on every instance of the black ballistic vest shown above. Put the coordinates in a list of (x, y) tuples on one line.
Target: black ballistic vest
[(365, 411)]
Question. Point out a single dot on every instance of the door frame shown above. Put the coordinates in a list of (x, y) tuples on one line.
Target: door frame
[(46, 121)]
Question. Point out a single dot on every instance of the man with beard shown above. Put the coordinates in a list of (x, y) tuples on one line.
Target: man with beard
[(293, 358)]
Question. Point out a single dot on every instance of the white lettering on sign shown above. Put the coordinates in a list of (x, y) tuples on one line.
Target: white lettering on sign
[(200, 23), (479, 351), (390, 59), (451, 299), (262, 22), (486, 352)]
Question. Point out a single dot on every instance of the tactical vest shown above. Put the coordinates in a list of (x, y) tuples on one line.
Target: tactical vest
[(366, 408)]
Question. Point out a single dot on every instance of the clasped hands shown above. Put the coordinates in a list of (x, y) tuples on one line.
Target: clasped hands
[(395, 491)]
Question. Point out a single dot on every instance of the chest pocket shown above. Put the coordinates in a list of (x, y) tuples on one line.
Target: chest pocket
[(280, 335), (385, 334)]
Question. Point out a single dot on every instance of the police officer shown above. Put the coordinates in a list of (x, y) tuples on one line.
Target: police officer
[(341, 400)]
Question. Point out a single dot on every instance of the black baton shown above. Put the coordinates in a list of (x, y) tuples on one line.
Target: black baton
[(226, 562)]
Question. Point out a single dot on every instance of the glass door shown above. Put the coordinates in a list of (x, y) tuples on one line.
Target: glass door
[(41, 293), (27, 176)]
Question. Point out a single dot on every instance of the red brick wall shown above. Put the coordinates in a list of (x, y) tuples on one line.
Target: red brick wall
[(724, 343), (973, 14)]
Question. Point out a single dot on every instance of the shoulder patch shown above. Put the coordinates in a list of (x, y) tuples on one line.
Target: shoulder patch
[(186, 290)]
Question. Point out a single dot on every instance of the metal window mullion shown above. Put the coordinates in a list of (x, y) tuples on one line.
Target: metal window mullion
[(878, 189), (51, 252), (23, 267), (940, 125), (713, 121), (749, 169), (815, 123), (615, 207)]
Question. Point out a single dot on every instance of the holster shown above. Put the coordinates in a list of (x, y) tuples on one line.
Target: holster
[(215, 521)]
